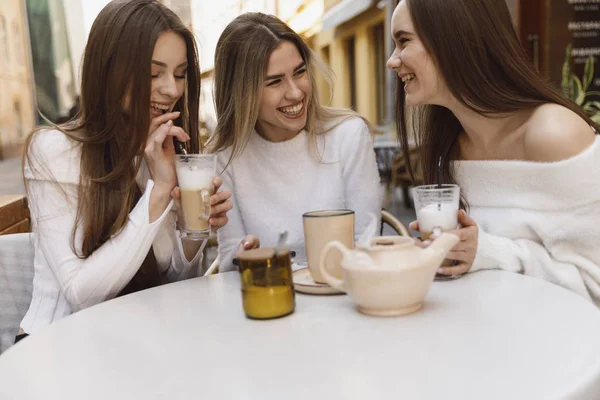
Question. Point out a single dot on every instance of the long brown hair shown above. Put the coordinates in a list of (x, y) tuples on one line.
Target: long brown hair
[(479, 56), (117, 65), (241, 60)]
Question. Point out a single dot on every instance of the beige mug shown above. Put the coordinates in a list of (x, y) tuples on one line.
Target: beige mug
[(322, 227)]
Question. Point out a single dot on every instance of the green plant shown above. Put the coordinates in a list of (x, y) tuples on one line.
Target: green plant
[(577, 89)]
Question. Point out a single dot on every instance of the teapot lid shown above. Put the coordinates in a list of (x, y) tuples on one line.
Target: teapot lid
[(384, 243)]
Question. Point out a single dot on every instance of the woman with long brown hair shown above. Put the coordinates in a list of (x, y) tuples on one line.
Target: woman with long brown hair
[(525, 157), (283, 153), (101, 186)]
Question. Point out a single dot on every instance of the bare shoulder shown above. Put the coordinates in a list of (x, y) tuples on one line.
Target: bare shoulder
[(555, 133)]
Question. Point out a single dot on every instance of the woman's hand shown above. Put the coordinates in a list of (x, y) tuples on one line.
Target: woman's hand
[(248, 242), (160, 151), (463, 253), (219, 205)]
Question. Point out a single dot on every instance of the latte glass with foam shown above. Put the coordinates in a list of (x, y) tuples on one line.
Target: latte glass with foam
[(195, 175)]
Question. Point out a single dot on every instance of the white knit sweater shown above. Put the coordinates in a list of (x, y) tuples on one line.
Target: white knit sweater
[(273, 184), (537, 218), (64, 283)]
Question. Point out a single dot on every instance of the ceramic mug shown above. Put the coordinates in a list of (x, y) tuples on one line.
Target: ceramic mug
[(322, 227)]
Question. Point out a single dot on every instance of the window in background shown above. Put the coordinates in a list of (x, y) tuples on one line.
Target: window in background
[(378, 41), (18, 119), (325, 54), (18, 49), (4, 42), (350, 51)]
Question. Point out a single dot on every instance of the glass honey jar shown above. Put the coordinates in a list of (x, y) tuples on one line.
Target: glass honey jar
[(267, 285)]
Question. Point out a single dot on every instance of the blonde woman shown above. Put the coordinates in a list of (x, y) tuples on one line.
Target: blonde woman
[(282, 152)]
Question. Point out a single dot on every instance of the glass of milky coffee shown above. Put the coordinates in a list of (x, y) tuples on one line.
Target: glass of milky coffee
[(195, 175), (436, 207)]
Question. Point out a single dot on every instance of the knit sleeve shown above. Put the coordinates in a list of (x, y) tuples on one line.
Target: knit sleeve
[(52, 177), (168, 248), (571, 261), (86, 282), (169, 253), (360, 173)]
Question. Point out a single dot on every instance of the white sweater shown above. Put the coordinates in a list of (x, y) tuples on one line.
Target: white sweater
[(273, 184), (64, 283), (539, 219)]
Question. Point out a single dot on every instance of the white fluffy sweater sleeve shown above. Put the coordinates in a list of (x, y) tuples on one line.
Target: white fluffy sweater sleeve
[(65, 283), (538, 219)]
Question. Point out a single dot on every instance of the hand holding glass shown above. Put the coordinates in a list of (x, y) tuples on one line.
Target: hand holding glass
[(195, 175), (436, 207)]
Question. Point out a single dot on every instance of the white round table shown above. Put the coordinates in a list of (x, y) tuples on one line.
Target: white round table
[(490, 335)]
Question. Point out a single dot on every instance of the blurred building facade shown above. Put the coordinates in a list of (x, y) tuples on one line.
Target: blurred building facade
[(209, 19), (16, 80), (45, 39), (353, 39), (352, 36), (53, 65)]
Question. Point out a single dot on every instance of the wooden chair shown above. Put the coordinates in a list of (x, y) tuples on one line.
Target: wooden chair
[(401, 177), (14, 214), (387, 218), (16, 284)]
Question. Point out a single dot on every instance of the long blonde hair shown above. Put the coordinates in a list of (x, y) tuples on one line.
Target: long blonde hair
[(241, 59)]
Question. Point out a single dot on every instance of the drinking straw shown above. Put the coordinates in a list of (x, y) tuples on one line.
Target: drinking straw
[(439, 185), (439, 173)]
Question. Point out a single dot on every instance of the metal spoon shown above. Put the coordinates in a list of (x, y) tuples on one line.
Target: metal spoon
[(280, 242)]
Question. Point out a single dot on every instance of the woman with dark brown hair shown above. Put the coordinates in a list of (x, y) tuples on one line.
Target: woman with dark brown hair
[(525, 157), (101, 186)]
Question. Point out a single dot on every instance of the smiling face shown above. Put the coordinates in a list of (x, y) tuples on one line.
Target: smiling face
[(169, 66), (413, 64), (284, 98)]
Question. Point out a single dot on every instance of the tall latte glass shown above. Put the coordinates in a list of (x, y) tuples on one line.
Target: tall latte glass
[(195, 175), (436, 207)]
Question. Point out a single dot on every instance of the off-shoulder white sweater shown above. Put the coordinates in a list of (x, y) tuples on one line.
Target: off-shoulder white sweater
[(538, 218), (64, 283)]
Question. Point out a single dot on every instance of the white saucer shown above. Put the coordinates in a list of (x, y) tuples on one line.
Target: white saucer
[(304, 283)]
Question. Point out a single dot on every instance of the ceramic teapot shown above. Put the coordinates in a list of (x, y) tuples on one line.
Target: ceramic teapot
[(391, 276)]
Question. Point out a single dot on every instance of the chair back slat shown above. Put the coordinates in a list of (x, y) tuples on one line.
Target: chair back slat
[(16, 284)]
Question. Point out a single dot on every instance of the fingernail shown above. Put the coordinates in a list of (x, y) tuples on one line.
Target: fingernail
[(169, 122), (440, 271), (211, 221)]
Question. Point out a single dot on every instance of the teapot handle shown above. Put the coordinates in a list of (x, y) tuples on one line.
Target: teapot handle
[(330, 279)]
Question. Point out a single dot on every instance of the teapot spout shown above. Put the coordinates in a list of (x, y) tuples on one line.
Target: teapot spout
[(439, 248)]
